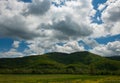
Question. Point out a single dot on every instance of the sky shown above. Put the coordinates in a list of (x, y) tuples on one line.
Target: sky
[(31, 27)]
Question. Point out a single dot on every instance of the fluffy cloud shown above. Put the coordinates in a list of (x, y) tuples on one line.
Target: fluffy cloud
[(41, 24), (11, 8), (14, 24), (90, 42), (69, 47), (68, 29), (12, 52), (15, 27), (16, 44), (111, 17), (111, 49), (38, 7)]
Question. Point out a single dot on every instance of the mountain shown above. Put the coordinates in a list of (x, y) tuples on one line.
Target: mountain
[(114, 58), (76, 63)]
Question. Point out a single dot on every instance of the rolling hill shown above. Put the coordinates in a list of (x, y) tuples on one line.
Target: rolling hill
[(74, 63)]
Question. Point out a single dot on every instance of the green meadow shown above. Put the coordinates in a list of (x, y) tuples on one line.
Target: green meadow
[(57, 78)]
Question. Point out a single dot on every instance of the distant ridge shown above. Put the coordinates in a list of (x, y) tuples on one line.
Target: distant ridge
[(114, 58), (75, 63)]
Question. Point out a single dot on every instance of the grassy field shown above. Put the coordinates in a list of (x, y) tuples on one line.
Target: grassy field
[(58, 79)]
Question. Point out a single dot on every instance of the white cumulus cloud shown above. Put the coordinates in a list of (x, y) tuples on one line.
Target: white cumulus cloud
[(110, 49)]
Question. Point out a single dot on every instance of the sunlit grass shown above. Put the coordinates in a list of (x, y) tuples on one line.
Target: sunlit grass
[(58, 79)]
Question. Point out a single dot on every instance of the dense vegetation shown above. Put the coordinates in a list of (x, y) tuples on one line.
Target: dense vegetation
[(61, 63)]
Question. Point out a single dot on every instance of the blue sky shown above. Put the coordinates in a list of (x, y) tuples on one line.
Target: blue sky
[(42, 27)]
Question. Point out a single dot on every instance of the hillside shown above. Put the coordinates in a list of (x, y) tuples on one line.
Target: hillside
[(77, 63), (114, 58)]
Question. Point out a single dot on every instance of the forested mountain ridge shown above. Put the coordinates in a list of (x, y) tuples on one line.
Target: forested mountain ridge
[(50, 63)]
